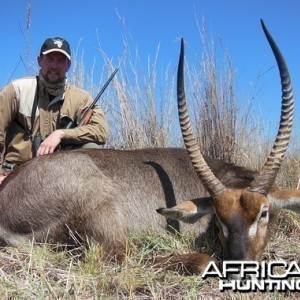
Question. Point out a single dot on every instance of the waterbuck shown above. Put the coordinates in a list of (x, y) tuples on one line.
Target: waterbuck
[(242, 214), (105, 194)]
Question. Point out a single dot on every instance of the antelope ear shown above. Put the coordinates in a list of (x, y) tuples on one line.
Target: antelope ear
[(287, 199), (189, 211)]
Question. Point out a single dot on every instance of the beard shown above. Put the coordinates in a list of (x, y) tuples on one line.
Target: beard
[(53, 78), (54, 85)]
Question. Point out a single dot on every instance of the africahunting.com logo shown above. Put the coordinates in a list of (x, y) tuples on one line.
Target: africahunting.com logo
[(252, 276)]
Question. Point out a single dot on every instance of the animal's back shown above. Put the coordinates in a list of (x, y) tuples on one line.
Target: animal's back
[(99, 193)]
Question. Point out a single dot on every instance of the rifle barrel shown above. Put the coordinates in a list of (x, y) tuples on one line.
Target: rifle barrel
[(98, 96), (105, 85)]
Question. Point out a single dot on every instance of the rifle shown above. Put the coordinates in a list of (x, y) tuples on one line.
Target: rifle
[(67, 122)]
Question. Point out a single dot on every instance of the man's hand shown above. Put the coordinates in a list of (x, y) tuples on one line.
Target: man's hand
[(51, 142)]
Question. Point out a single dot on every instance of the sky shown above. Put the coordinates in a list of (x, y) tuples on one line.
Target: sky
[(152, 23)]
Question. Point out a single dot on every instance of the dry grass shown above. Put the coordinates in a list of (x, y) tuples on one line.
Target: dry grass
[(140, 109), (38, 272)]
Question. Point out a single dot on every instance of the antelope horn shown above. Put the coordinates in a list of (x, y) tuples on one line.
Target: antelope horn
[(263, 181), (212, 184)]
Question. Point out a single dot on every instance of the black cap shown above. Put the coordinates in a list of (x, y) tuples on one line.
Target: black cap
[(56, 44)]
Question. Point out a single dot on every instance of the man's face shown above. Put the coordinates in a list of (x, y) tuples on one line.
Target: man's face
[(54, 66)]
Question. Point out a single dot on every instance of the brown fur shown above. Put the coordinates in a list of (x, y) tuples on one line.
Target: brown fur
[(185, 264), (238, 210), (101, 194)]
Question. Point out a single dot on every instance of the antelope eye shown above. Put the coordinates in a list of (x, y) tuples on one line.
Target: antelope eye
[(264, 214)]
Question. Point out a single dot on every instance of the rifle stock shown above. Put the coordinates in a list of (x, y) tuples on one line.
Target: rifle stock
[(87, 117)]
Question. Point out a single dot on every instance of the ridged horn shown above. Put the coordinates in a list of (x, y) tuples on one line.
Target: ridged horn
[(212, 184), (263, 182)]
